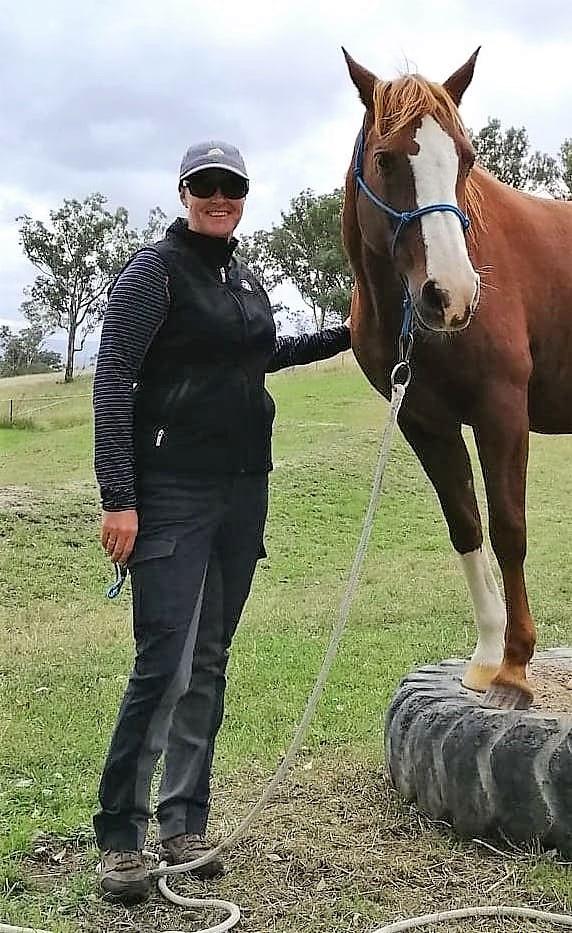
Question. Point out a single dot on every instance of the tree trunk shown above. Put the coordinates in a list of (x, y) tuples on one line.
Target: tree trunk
[(70, 354)]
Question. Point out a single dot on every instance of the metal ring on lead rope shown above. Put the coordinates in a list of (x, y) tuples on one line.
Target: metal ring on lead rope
[(401, 374)]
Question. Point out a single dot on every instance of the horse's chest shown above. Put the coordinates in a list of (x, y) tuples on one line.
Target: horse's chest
[(375, 363)]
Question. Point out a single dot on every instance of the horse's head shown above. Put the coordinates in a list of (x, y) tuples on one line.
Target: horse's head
[(415, 153)]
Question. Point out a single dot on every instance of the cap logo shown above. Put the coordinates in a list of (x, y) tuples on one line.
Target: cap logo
[(215, 152)]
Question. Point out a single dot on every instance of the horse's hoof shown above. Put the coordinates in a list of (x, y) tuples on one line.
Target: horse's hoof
[(507, 696), (478, 677)]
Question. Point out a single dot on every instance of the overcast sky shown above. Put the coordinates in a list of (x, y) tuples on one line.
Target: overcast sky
[(105, 96)]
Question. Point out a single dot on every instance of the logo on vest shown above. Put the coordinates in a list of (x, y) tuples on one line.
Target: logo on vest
[(246, 285)]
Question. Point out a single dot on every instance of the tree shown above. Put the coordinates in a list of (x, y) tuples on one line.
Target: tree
[(255, 251), (78, 255), (544, 172), (503, 153), (566, 162), (155, 229), (306, 249), (22, 353), (506, 154), (295, 318)]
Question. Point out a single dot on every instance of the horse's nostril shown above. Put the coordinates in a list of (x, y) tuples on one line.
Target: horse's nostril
[(433, 297)]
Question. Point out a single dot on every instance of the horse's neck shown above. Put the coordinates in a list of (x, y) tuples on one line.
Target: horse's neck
[(385, 291)]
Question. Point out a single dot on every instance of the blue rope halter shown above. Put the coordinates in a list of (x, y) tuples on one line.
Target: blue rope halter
[(402, 218)]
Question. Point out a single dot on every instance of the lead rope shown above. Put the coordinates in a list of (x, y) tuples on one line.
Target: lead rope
[(400, 379)]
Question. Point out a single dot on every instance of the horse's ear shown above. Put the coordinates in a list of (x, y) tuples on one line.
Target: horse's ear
[(458, 83), (363, 79)]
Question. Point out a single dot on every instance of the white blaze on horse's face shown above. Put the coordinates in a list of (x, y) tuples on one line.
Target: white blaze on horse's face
[(448, 293)]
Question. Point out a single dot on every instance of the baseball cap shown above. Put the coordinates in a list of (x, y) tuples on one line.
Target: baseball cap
[(212, 154)]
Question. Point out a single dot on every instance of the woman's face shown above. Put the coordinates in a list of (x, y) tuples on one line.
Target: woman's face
[(216, 214)]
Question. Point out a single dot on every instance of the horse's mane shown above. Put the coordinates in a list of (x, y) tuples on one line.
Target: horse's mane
[(398, 102)]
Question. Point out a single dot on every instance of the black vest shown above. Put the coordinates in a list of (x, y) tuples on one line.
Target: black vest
[(200, 404)]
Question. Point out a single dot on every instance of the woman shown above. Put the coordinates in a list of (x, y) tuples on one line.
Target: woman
[(182, 460)]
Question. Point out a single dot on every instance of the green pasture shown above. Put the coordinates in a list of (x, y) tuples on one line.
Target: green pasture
[(65, 653)]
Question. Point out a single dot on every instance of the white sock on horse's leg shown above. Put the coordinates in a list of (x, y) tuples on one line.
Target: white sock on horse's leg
[(490, 618)]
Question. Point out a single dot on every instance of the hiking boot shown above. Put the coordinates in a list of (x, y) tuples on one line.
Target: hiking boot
[(123, 876), (186, 848)]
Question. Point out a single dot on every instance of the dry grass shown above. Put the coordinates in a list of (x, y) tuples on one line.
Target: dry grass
[(336, 851), (20, 385)]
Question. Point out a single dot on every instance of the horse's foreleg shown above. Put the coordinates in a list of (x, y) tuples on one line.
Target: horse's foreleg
[(446, 461), (490, 618), (502, 440)]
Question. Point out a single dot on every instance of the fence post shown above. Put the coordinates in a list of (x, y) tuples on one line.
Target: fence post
[(11, 411)]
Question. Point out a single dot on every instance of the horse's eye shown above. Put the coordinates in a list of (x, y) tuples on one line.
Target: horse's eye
[(385, 162)]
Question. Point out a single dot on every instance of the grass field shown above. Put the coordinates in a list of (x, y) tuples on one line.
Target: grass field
[(337, 850)]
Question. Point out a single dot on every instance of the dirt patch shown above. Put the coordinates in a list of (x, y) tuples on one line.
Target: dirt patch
[(31, 502), (20, 499), (53, 858), (336, 851), (552, 685)]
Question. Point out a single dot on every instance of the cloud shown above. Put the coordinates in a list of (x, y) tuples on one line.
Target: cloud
[(106, 96), (133, 94), (525, 20)]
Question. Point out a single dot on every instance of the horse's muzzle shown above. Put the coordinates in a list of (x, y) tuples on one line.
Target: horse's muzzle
[(437, 311)]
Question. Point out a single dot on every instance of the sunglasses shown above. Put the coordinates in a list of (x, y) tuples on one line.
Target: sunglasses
[(204, 184)]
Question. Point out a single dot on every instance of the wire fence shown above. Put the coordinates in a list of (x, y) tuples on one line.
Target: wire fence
[(13, 410), (58, 410)]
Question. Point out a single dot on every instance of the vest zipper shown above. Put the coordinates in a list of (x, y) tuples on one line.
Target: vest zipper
[(237, 300), (159, 437)]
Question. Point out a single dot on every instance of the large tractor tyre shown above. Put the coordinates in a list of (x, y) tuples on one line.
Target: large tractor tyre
[(486, 772)]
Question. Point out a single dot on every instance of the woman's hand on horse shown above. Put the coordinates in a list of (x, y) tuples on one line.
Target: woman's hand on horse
[(348, 321), (118, 533)]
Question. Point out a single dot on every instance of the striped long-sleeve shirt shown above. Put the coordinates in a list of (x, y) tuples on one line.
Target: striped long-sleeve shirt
[(137, 308)]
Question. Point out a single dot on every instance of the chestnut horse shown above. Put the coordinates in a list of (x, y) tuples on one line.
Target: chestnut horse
[(496, 356)]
